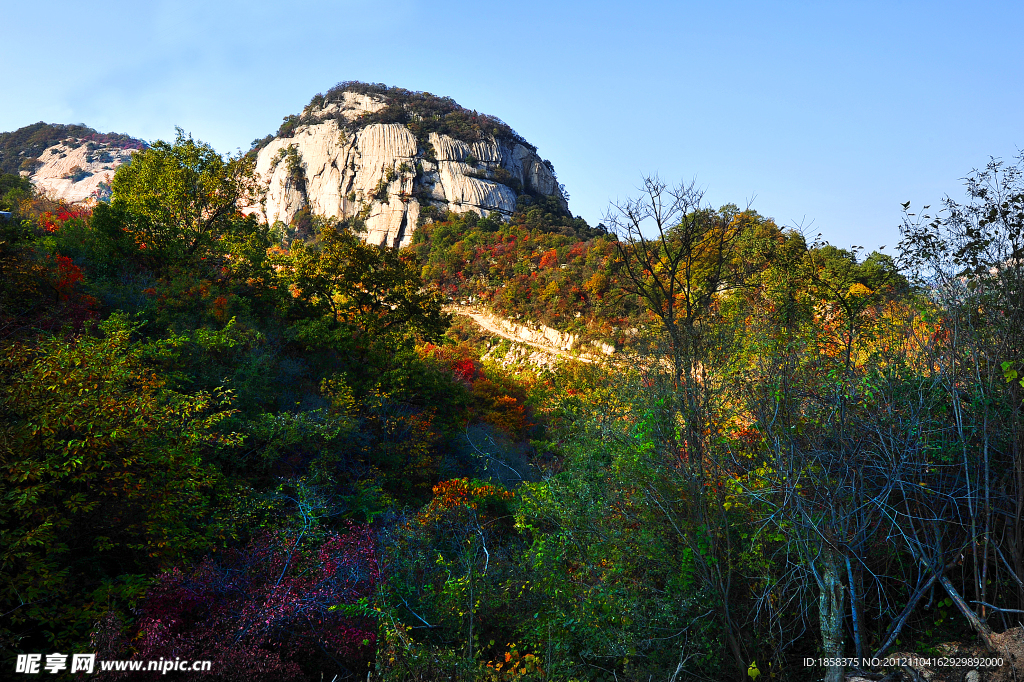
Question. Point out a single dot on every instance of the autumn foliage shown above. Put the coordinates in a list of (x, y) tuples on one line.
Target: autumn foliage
[(263, 610), (271, 448)]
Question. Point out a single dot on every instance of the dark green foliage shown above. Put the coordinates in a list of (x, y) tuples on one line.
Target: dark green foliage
[(13, 189), (423, 113), (545, 212), (77, 173), (104, 480), (288, 126), (223, 373), (260, 142), (876, 272)]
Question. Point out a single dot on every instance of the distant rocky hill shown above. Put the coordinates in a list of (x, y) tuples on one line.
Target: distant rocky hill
[(396, 157), (72, 163), (391, 156)]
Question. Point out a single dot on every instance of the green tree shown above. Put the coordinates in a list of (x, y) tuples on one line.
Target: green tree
[(13, 188), (101, 481), (179, 199), (681, 258), (372, 289)]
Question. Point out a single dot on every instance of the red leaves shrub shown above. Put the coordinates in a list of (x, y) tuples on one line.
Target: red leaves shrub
[(220, 308), (53, 221), (75, 307), (68, 274), (267, 611), (549, 259), (456, 359), (497, 398), (465, 370)]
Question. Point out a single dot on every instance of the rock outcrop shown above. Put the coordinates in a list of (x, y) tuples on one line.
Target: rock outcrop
[(382, 156), (551, 344), (69, 162), (76, 172)]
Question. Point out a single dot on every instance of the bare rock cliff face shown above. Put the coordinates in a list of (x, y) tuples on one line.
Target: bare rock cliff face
[(339, 164), (75, 173), (71, 163)]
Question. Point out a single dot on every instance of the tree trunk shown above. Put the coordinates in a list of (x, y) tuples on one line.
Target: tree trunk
[(897, 624), (854, 613), (831, 615), (982, 628)]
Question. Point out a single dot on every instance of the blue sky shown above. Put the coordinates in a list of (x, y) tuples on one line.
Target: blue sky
[(825, 115)]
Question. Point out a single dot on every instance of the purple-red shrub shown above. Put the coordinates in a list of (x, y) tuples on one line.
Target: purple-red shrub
[(276, 609)]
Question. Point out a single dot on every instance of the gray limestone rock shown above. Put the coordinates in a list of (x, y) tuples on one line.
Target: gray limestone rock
[(339, 167)]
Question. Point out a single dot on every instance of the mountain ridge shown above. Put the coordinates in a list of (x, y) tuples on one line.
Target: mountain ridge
[(392, 157), (395, 159), (69, 162)]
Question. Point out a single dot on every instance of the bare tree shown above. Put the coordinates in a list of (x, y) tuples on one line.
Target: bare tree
[(968, 258), (678, 255)]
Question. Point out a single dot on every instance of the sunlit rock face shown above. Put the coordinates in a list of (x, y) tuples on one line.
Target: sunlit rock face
[(344, 156), (75, 171)]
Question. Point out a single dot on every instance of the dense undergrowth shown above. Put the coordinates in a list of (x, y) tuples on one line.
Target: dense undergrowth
[(216, 447)]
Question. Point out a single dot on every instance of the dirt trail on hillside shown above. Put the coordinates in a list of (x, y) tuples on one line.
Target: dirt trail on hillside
[(488, 322)]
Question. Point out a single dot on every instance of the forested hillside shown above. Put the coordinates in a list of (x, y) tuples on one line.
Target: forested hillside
[(222, 441)]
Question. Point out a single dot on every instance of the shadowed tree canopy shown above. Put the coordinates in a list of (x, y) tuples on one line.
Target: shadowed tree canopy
[(371, 288)]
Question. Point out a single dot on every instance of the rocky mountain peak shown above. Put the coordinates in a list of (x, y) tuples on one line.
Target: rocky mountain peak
[(349, 105), (396, 158)]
